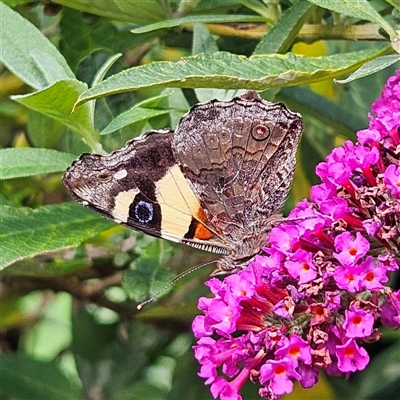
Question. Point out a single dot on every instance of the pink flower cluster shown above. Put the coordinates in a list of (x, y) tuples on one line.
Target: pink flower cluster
[(318, 291)]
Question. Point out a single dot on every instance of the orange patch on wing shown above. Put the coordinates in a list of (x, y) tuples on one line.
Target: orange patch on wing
[(202, 232), (199, 214)]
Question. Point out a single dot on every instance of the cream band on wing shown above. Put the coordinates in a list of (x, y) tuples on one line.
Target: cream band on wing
[(122, 202), (177, 201)]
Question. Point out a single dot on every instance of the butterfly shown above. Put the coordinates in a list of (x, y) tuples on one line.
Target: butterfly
[(215, 183)]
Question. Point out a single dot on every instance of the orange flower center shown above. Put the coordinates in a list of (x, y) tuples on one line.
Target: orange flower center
[(305, 266), (353, 251), (370, 276), (349, 352), (279, 369), (294, 351)]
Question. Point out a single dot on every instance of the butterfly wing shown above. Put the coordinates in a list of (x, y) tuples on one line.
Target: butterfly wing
[(142, 187), (213, 184), (238, 157)]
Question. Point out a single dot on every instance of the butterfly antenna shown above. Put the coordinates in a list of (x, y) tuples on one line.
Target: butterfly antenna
[(173, 281)]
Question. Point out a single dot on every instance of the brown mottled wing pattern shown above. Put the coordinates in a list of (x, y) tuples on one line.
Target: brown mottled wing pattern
[(239, 158)]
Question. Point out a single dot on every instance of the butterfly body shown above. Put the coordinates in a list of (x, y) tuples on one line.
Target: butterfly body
[(215, 183)]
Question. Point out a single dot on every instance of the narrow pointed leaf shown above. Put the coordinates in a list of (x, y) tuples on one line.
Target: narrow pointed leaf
[(282, 34), (371, 67), (57, 101), (19, 162), (203, 41), (130, 117), (26, 232), (229, 71), (28, 53), (198, 19), (355, 8), (136, 12)]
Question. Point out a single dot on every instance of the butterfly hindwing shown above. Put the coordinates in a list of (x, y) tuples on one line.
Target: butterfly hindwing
[(238, 158)]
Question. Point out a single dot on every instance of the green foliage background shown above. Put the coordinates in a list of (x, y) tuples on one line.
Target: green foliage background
[(69, 328)]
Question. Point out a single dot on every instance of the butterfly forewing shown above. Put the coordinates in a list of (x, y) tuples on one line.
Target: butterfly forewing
[(142, 187)]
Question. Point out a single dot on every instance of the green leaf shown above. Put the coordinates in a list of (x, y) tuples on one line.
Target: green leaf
[(25, 378), (154, 101), (394, 3), (145, 12), (141, 113), (97, 347), (371, 67), (56, 101), (47, 267), (141, 389), (203, 41), (148, 275), (177, 101), (27, 53), (101, 73), (43, 131), (26, 232), (52, 333), (361, 9), (132, 116), (204, 95), (306, 101), (13, 3), (19, 162), (89, 35), (229, 71), (87, 345), (187, 385), (281, 36), (381, 379), (267, 10), (198, 19)]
